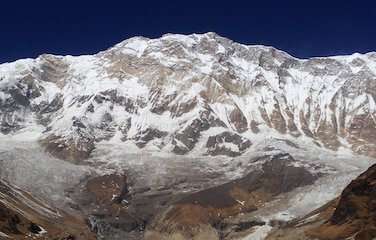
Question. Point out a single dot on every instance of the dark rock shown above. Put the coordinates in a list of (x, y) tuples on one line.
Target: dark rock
[(254, 126), (190, 135), (358, 200), (239, 120), (69, 237), (13, 222), (53, 106), (160, 102), (280, 176), (214, 144), (90, 108), (19, 97), (33, 228), (277, 119), (145, 136), (247, 225), (78, 123)]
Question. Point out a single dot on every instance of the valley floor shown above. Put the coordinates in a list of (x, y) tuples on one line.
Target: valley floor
[(155, 182)]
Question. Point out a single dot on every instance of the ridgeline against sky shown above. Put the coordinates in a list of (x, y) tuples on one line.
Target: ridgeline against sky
[(31, 28)]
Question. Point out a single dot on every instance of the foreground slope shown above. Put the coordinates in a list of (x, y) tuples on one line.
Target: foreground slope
[(24, 217), (351, 216)]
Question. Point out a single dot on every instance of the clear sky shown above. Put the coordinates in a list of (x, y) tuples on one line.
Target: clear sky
[(302, 28)]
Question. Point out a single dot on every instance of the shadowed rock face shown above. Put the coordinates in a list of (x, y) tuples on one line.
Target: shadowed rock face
[(355, 213), (185, 140), (171, 92), (200, 215), (145, 136), (239, 120), (358, 199), (224, 144)]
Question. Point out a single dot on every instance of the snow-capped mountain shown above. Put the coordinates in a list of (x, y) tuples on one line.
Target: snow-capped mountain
[(190, 93), (294, 125)]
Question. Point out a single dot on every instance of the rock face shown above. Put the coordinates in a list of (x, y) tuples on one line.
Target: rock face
[(355, 213), (177, 91), (227, 143), (24, 217)]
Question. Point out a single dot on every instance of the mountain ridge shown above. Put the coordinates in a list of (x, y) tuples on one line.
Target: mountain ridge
[(199, 86), (203, 33)]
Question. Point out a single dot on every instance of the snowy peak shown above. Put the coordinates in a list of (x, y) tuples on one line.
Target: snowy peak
[(199, 93)]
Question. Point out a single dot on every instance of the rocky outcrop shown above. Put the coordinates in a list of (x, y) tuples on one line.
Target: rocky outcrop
[(355, 213), (145, 136), (362, 133), (185, 140), (74, 150), (238, 119), (227, 143)]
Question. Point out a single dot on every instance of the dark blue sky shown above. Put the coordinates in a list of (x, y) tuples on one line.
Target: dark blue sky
[(302, 28)]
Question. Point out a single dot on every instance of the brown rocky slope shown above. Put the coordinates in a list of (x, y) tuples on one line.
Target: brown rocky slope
[(24, 217), (202, 215)]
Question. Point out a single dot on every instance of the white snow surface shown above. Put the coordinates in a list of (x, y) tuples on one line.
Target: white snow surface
[(196, 69)]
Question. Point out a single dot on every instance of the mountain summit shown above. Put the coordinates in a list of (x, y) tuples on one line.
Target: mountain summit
[(182, 137), (178, 93)]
